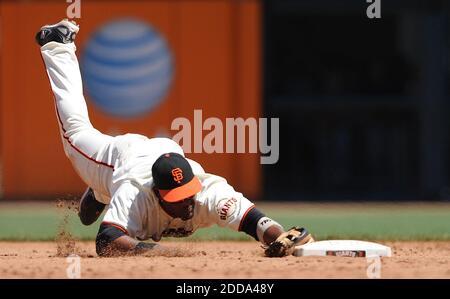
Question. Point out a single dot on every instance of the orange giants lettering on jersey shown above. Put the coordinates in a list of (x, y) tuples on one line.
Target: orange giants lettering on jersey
[(227, 209)]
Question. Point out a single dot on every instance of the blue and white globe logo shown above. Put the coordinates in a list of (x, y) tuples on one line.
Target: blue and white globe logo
[(127, 68)]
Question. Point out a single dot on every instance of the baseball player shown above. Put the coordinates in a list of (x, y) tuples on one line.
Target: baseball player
[(152, 189)]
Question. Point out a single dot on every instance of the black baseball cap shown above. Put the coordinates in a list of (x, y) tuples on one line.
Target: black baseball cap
[(173, 177)]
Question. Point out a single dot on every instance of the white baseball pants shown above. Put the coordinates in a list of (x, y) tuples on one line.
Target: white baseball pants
[(87, 148)]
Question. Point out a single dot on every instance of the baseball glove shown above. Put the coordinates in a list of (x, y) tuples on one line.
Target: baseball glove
[(285, 244)]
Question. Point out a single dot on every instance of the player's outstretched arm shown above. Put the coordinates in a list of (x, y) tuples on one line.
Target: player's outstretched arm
[(112, 241), (276, 241), (260, 227)]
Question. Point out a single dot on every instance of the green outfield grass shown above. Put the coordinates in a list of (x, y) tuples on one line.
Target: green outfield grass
[(43, 221)]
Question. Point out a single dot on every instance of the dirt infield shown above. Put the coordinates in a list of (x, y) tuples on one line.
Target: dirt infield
[(220, 260)]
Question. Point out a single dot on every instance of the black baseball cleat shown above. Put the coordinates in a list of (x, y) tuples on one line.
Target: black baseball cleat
[(63, 32), (90, 208)]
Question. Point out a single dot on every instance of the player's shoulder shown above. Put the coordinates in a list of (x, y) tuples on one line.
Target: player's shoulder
[(210, 179), (197, 169), (213, 184), (215, 193)]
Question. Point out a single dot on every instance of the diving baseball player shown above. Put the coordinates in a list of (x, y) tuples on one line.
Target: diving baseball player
[(152, 189)]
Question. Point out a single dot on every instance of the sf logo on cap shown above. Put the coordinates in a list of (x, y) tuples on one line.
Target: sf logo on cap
[(177, 174)]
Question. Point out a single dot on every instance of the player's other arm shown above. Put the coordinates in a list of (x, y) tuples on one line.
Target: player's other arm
[(113, 240), (122, 223)]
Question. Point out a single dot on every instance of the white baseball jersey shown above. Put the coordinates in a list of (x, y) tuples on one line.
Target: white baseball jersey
[(135, 208), (118, 169)]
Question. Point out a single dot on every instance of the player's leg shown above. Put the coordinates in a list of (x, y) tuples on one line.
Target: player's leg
[(85, 146)]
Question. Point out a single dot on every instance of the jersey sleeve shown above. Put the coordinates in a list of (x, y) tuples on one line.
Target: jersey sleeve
[(226, 207), (127, 209)]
